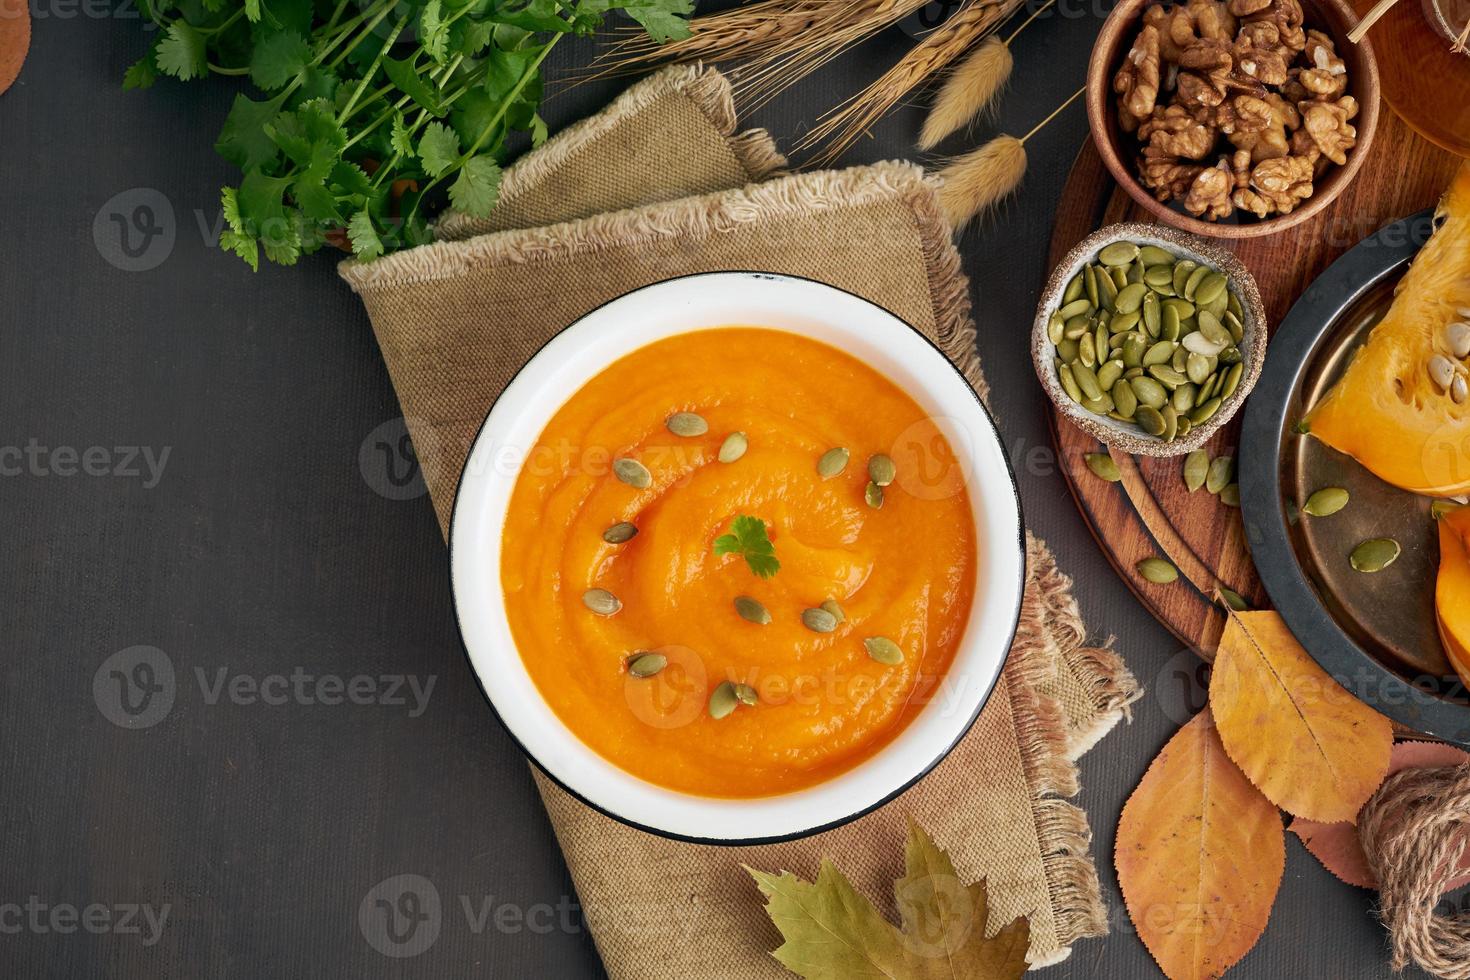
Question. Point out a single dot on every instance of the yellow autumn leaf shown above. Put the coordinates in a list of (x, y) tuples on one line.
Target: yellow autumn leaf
[(1311, 747), (1199, 854), (832, 932)]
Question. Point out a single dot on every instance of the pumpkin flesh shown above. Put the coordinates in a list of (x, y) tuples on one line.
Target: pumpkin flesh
[(1452, 593), (1388, 411)]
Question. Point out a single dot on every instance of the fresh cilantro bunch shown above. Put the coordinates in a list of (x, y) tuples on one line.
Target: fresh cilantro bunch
[(369, 113)]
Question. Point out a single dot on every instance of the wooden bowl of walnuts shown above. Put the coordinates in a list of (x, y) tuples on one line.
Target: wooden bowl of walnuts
[(1232, 118)]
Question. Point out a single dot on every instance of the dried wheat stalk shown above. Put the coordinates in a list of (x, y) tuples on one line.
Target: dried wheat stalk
[(953, 38)]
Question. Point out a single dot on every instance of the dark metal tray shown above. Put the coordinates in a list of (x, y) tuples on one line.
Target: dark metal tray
[(1375, 633)]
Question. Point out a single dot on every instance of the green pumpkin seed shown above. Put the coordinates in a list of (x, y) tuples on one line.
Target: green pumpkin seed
[(1089, 285), (1107, 290), (632, 472), (1440, 508), (1100, 342), (1078, 307), (1232, 381), (1230, 495), (1325, 502), (1103, 466), (881, 469), (1054, 328), (873, 495), (1235, 325), (1222, 470), (1233, 599), (1171, 423), (1210, 287), (1125, 402), (1149, 392), (1134, 347), (601, 601), (1159, 353), (645, 664), (752, 611), (1124, 322), (1068, 350), (1135, 271), (1182, 271), (1087, 350), (1169, 324), (1191, 285), (686, 424), (619, 532), (1150, 420), (1130, 298), (1086, 380), (1196, 469), (1074, 289), (1184, 398), (1151, 255), (832, 462), (1198, 368), (1167, 376), (1134, 372), (1184, 425), (1375, 554), (746, 695), (1069, 383), (722, 701), (1108, 374), (1150, 311), (832, 607), (1157, 571), (1099, 406), (883, 650), (1180, 360), (1233, 305), (1231, 355), (818, 620), (1076, 327), (1203, 412), (1118, 253), (1183, 307), (1120, 275)]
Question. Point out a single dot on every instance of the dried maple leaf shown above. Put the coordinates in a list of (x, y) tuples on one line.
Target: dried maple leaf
[(1309, 745), (833, 933), (15, 39), (1336, 845), (1199, 855)]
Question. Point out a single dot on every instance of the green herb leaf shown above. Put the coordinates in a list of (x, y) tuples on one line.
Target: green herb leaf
[(399, 138), (278, 59), (181, 52), (477, 188), (365, 241), (141, 73), (748, 538), (438, 149), (433, 32), (245, 140), (252, 11), (406, 77), (664, 20)]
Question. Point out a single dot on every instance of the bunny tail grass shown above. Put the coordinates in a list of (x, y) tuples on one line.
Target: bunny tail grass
[(968, 91), (981, 179)]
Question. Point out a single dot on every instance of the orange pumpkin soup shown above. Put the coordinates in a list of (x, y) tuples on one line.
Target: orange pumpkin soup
[(699, 666)]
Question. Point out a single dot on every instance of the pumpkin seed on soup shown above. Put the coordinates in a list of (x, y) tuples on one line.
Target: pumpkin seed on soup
[(1157, 571), (832, 607), (881, 469), (645, 664), (722, 700), (883, 650), (632, 472), (1375, 554), (619, 532), (686, 424), (832, 462), (818, 620), (746, 695), (873, 495), (1325, 502), (733, 447), (751, 610), (601, 601)]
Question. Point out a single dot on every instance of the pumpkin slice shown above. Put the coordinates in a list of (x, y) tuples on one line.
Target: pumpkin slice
[(1452, 594), (1402, 408)]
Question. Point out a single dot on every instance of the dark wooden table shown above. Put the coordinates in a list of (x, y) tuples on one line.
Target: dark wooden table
[(276, 539)]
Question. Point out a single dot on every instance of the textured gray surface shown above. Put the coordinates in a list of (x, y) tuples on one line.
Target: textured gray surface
[(267, 545)]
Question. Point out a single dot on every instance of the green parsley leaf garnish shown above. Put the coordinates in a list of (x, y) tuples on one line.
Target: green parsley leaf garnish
[(748, 538)]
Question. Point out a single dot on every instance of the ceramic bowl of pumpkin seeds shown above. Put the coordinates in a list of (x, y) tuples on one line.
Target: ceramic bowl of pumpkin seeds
[(1149, 338)]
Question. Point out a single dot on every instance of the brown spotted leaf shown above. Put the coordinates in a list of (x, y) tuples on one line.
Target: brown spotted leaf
[(1336, 845), (1199, 854), (1309, 745)]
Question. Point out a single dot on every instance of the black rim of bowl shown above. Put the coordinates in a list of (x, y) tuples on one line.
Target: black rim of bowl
[(1263, 508), (848, 818)]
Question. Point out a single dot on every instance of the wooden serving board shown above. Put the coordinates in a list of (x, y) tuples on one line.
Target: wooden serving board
[(1151, 512)]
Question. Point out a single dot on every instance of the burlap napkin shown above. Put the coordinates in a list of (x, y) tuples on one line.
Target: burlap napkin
[(658, 185)]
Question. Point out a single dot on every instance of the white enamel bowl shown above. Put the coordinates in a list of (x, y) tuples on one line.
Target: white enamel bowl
[(662, 310)]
